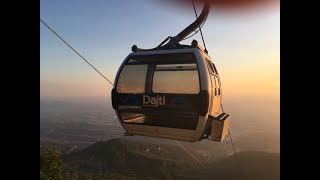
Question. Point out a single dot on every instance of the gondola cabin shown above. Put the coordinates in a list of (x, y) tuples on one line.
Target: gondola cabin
[(172, 94)]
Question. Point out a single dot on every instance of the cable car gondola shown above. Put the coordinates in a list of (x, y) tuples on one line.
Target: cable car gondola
[(172, 91)]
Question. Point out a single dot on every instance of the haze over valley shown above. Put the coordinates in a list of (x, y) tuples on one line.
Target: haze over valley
[(84, 127)]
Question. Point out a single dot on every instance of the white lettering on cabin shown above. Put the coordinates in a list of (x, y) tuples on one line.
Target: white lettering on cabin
[(154, 101)]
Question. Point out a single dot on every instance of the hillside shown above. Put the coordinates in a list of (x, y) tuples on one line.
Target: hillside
[(127, 159)]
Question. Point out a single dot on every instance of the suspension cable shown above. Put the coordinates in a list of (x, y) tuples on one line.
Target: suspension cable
[(195, 11), (191, 155), (234, 150), (74, 50)]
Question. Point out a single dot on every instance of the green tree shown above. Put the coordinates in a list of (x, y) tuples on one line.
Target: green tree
[(51, 165)]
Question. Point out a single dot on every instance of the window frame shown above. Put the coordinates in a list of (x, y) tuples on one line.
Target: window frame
[(146, 78), (214, 68), (199, 79), (151, 64)]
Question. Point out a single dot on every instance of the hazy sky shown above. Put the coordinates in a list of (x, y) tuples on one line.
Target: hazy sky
[(246, 47)]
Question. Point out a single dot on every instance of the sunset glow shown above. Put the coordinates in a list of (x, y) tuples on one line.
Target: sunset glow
[(245, 49)]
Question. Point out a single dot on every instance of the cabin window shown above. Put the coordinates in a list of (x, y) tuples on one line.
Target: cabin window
[(209, 67), (214, 68), (218, 85), (132, 79), (176, 78)]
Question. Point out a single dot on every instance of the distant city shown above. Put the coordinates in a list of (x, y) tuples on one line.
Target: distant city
[(92, 141), (75, 123)]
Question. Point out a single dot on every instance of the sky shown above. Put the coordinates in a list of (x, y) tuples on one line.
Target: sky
[(245, 47)]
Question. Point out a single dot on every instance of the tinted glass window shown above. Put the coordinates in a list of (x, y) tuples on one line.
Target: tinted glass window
[(214, 68), (132, 79), (161, 118), (218, 85), (176, 78), (209, 67)]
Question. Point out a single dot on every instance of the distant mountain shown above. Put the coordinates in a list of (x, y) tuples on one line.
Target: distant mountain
[(131, 158), (127, 159)]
